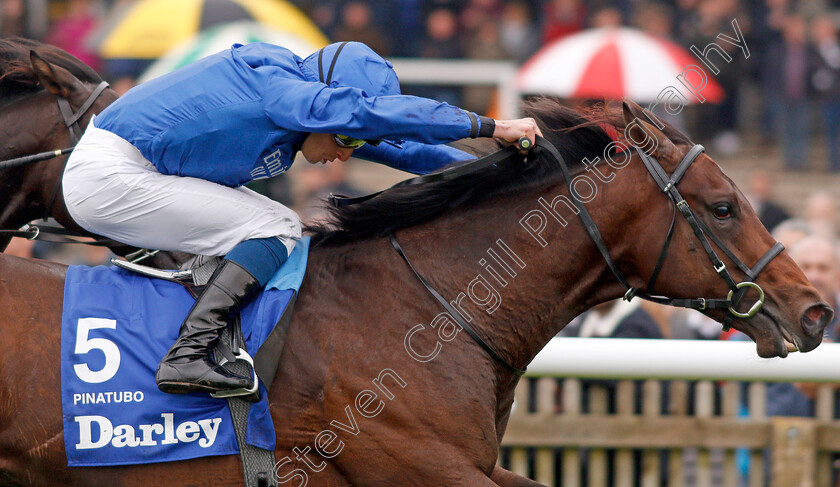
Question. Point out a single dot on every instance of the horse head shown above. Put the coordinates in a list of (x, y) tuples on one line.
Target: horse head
[(688, 243), (793, 315), (34, 78)]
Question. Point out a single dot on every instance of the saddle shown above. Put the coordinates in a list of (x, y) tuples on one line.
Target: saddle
[(231, 352)]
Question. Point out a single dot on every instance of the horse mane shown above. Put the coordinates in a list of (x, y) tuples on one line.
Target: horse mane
[(16, 74), (575, 134)]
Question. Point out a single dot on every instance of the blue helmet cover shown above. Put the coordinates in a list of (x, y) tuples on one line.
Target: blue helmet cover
[(357, 66)]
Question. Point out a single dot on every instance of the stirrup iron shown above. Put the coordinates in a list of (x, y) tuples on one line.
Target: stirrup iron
[(244, 356), (183, 277)]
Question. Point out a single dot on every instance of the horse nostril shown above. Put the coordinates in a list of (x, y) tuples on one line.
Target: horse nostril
[(815, 319)]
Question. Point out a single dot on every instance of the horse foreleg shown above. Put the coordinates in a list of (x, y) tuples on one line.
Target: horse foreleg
[(506, 478)]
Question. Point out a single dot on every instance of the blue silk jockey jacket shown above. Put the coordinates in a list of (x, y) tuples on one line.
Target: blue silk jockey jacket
[(242, 114)]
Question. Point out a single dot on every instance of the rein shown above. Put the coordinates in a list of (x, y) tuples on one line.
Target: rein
[(667, 184)]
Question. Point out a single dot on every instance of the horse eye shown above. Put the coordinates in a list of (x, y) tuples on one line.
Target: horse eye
[(722, 212)]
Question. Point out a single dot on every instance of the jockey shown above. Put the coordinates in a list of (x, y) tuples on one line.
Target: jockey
[(163, 167)]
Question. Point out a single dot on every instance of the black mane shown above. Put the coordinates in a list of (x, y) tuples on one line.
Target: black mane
[(16, 74), (577, 135)]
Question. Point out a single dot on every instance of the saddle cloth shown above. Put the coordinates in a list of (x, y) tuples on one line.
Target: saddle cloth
[(116, 326)]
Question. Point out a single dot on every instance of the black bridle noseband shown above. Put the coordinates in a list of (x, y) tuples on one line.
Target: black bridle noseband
[(668, 185)]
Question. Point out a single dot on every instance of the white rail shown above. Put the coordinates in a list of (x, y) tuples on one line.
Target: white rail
[(617, 358)]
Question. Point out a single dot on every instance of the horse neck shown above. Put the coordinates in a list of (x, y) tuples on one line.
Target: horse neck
[(515, 292)]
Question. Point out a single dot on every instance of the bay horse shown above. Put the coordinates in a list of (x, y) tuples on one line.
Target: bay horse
[(373, 377), (31, 122)]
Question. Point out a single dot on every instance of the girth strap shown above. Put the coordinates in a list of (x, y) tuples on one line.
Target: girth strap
[(33, 232)]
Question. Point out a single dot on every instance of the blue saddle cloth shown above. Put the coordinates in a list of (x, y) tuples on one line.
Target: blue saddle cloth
[(116, 326)]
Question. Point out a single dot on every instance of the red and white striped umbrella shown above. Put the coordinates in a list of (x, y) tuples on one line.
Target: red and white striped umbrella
[(613, 63)]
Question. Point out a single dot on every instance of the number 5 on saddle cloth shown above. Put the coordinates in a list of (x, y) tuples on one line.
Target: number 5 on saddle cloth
[(116, 326)]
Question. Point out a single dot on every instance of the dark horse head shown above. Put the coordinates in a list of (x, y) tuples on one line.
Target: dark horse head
[(32, 78), (633, 215)]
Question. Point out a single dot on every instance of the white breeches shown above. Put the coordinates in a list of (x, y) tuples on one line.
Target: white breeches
[(111, 190)]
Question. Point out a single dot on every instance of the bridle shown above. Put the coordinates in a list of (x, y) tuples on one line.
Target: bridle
[(667, 184), (72, 122), (71, 118)]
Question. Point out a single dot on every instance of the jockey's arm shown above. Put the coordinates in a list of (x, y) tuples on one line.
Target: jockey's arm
[(412, 157), (313, 107), (421, 123)]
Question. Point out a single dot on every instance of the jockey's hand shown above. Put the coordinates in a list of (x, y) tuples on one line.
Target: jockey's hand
[(513, 130)]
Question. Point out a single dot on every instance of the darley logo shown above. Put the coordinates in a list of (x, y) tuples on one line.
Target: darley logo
[(203, 430)]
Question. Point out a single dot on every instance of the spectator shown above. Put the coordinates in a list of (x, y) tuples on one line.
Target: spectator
[(562, 17), (655, 19), (479, 13), (791, 231), (71, 254), (442, 35), (324, 15), (826, 83), (720, 121), (761, 199), (821, 214), (606, 17), (817, 257), (13, 18), (516, 30), (441, 42), (70, 31), (615, 319), (484, 44), (685, 19), (405, 26), (23, 18), (768, 17), (786, 84), (356, 25)]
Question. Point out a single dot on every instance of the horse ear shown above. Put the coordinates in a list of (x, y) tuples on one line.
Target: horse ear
[(55, 79), (644, 135)]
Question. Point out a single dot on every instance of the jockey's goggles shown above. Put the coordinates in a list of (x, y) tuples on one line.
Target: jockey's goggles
[(351, 143)]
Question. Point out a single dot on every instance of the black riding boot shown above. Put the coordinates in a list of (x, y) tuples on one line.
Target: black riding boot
[(188, 367)]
